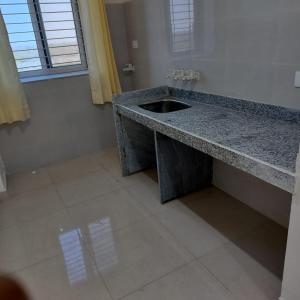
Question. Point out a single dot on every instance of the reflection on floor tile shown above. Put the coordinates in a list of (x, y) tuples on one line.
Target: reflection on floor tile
[(192, 282), (118, 206), (89, 233), (72, 277), (134, 256), (102, 244)]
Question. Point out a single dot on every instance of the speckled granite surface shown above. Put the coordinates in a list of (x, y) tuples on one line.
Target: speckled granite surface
[(259, 139)]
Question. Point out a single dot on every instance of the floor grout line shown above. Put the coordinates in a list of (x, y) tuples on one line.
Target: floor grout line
[(150, 216), (175, 238), (87, 174), (85, 242), (37, 263), (217, 279), (87, 248), (34, 219), (94, 262), (229, 242), (92, 198), (157, 279)]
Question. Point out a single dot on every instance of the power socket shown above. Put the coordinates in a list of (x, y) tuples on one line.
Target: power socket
[(297, 79), (135, 44)]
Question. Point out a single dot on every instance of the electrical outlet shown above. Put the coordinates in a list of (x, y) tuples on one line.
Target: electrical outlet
[(135, 44), (297, 79)]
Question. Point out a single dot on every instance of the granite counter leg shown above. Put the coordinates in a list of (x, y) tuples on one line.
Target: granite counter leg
[(181, 169), (136, 145)]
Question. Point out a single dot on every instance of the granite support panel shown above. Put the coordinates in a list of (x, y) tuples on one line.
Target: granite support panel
[(181, 169), (136, 145)]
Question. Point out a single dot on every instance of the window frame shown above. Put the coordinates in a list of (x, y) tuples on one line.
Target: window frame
[(192, 32), (43, 49)]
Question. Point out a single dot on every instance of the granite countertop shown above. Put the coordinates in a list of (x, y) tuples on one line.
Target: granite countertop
[(263, 145)]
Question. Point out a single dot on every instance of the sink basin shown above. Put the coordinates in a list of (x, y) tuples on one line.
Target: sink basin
[(165, 106)]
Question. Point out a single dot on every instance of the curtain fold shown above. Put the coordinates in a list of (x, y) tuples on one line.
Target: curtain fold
[(13, 104), (103, 73)]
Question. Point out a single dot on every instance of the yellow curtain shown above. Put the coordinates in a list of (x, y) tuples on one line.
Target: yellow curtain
[(13, 104), (103, 73)]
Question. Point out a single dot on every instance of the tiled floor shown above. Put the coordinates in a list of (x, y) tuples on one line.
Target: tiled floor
[(78, 230)]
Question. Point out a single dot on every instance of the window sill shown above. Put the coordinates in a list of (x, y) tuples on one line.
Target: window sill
[(53, 76)]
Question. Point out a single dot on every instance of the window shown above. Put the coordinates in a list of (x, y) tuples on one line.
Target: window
[(182, 25), (45, 36)]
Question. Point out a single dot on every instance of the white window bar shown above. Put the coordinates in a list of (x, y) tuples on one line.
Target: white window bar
[(45, 36)]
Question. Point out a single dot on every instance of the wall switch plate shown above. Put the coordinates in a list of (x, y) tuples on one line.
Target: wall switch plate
[(135, 44), (297, 79)]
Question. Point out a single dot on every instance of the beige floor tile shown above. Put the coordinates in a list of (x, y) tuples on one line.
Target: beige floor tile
[(109, 160), (267, 245), (198, 236), (134, 256), (87, 187), (137, 179), (146, 193), (118, 207), (116, 226), (246, 278), (192, 282), (30, 242), (227, 215), (142, 185), (72, 169), (25, 182), (68, 277), (29, 206), (4, 196)]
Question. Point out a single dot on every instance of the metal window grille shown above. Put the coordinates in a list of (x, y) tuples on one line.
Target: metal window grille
[(45, 35), (182, 22)]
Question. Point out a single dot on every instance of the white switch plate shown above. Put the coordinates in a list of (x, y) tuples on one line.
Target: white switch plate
[(135, 44), (297, 79)]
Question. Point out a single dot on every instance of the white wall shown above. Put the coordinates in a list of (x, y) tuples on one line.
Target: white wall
[(64, 124), (268, 199), (118, 31), (245, 49), (290, 282)]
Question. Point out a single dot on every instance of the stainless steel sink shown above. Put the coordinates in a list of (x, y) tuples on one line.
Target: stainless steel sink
[(165, 106)]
